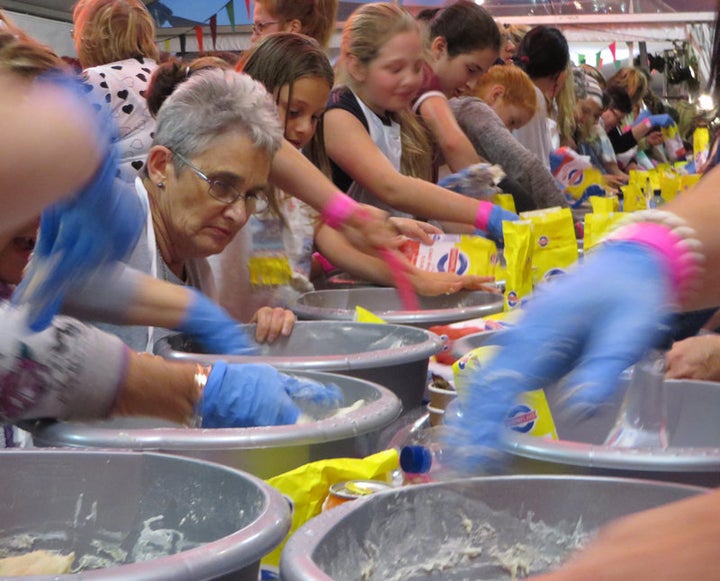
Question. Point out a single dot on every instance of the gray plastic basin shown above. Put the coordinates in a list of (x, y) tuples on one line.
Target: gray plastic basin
[(96, 502), (409, 532), (693, 455), (395, 356), (339, 305), (264, 452)]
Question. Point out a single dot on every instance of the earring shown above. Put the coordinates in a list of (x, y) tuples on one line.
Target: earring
[(161, 185)]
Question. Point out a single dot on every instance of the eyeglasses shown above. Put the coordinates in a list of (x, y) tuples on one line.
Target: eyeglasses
[(259, 27), (256, 201)]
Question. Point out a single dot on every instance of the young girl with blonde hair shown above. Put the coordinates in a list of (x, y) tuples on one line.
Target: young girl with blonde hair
[(380, 152)]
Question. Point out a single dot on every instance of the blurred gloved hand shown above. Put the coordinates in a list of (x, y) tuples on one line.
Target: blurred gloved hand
[(660, 120), (313, 396), (476, 181), (101, 223), (258, 395), (493, 228), (216, 330), (589, 325)]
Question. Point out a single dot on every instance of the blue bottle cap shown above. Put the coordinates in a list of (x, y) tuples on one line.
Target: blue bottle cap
[(415, 459)]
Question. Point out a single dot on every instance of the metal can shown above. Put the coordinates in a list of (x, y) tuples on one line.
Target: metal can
[(343, 492)]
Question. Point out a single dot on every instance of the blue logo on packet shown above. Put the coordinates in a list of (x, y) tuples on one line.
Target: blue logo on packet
[(459, 263), (543, 241), (269, 573), (553, 273), (521, 419), (512, 299)]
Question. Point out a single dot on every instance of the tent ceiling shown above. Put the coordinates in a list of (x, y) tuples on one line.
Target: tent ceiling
[(62, 9)]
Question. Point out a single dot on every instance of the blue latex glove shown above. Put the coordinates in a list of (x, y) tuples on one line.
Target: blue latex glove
[(494, 227), (101, 223), (476, 181), (216, 330), (660, 120), (589, 326), (259, 395)]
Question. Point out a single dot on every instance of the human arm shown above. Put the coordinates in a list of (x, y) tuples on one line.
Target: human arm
[(457, 149), (695, 358), (294, 174), (122, 296), (363, 266), (49, 148), (492, 139), (674, 542), (350, 146)]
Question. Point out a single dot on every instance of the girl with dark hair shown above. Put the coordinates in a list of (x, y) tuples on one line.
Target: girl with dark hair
[(543, 54)]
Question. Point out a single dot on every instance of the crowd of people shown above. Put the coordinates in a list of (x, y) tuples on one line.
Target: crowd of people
[(143, 197)]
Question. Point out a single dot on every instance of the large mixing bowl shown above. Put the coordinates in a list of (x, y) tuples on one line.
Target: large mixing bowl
[(395, 356), (264, 452), (464, 529), (140, 516), (693, 455), (339, 305)]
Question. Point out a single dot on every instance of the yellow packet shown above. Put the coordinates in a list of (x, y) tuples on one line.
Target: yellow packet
[(518, 261), (555, 246), (669, 185), (689, 180), (674, 146), (603, 205), (701, 146), (638, 177), (597, 226), (458, 253), (308, 485), (505, 201), (633, 198), (531, 412), (269, 270), (365, 316)]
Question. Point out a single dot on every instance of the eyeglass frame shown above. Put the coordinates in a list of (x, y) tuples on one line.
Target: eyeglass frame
[(259, 196), (259, 27)]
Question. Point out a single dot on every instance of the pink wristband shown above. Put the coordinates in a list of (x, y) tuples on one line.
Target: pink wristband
[(338, 210), (482, 218), (683, 265)]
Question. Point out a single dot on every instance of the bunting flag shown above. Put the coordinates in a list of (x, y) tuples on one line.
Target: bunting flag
[(598, 59), (199, 36), (230, 9), (247, 7), (182, 45), (581, 59), (213, 30), (612, 46), (166, 45)]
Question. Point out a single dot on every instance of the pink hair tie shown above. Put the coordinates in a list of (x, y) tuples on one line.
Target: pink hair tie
[(483, 215), (338, 209)]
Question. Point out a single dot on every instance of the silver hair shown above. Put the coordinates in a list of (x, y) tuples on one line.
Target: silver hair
[(211, 103)]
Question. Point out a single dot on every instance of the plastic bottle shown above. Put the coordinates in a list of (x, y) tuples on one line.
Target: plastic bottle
[(643, 413), (422, 458)]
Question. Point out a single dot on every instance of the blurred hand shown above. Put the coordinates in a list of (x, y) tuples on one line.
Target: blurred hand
[(590, 324), (675, 542), (243, 396), (499, 215), (415, 229), (654, 138), (660, 120), (259, 395), (614, 181), (695, 358), (430, 284), (272, 322), (216, 330)]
